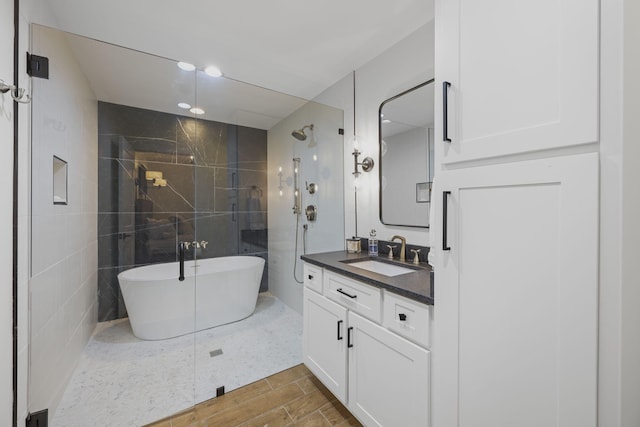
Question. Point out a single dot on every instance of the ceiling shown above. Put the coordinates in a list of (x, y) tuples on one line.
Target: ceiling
[(128, 77), (298, 47)]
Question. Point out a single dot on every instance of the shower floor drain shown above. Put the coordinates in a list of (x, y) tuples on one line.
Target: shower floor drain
[(215, 353)]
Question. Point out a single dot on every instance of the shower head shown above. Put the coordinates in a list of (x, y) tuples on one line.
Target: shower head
[(299, 134)]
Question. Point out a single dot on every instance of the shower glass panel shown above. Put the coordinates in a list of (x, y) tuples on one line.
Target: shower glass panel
[(112, 115), (242, 156)]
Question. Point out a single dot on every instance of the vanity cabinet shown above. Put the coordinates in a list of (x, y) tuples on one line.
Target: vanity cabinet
[(380, 376)]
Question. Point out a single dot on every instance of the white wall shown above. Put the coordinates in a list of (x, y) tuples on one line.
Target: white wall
[(325, 170), (6, 214), (395, 70), (63, 281), (401, 67)]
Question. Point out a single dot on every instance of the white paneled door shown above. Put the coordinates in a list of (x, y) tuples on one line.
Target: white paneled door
[(389, 383), (324, 337), (516, 308), (523, 76)]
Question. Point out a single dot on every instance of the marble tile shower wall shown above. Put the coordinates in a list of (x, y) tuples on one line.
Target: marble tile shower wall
[(213, 188)]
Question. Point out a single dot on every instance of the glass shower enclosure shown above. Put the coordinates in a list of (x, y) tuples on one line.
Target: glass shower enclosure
[(154, 156)]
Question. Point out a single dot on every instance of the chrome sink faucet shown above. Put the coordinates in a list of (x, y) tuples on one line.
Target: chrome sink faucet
[(402, 248)]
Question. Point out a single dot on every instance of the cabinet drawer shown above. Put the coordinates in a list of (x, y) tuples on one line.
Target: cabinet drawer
[(357, 296), (313, 277), (417, 318)]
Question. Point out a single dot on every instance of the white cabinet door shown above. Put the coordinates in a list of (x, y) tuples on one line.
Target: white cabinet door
[(388, 377), (516, 310), (523, 74), (324, 342)]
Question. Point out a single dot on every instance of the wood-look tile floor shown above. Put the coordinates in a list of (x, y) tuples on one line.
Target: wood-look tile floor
[(294, 397)]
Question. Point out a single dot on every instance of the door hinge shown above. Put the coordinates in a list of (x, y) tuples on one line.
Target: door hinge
[(38, 419), (37, 66)]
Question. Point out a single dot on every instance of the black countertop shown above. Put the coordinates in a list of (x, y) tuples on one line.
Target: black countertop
[(417, 286)]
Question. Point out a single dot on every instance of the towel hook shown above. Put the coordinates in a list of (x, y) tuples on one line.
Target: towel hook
[(17, 94)]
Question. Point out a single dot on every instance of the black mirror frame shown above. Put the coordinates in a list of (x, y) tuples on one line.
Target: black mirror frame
[(380, 152)]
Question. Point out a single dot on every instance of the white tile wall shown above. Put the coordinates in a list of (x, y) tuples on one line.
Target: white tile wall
[(64, 250), (327, 232)]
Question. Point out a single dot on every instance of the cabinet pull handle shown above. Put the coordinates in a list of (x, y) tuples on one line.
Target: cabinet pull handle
[(310, 277), (445, 111), (445, 200), (349, 343), (339, 324), (402, 317), (344, 293)]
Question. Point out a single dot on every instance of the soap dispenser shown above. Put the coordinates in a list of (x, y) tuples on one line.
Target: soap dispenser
[(373, 243)]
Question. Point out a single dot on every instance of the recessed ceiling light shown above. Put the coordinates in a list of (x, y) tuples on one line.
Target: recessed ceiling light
[(184, 105), (186, 66), (213, 71), (196, 110)]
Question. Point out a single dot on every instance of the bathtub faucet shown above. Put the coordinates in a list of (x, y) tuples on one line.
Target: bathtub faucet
[(201, 244)]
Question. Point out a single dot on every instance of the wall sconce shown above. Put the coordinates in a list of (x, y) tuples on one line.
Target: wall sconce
[(367, 163), (280, 177)]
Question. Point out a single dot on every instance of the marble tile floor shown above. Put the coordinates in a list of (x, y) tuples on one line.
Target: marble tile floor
[(294, 397), (123, 381)]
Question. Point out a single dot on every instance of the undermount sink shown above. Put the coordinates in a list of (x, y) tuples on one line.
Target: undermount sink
[(383, 268)]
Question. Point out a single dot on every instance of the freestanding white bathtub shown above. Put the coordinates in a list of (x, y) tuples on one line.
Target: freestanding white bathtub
[(215, 291)]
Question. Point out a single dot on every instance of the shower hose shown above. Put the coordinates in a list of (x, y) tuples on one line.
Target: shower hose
[(304, 248)]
